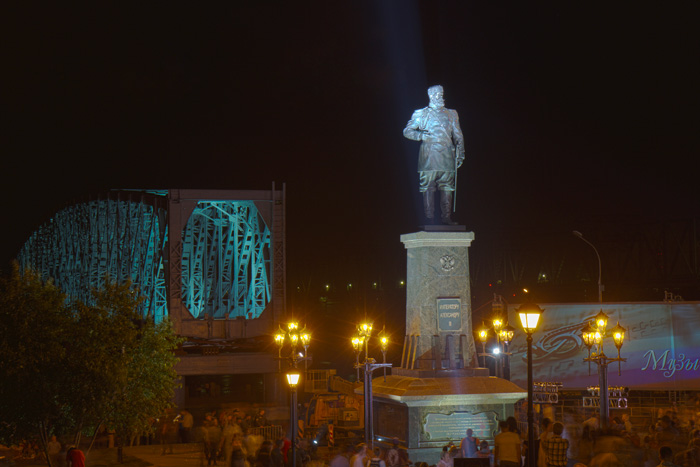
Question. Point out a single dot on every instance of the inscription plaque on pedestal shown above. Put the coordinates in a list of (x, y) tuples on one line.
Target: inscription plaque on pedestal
[(449, 314), (454, 426)]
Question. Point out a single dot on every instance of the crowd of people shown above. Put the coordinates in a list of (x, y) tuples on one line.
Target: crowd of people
[(582, 443), (226, 438), (572, 443)]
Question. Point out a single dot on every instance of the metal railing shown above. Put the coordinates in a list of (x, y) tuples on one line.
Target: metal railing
[(270, 432)]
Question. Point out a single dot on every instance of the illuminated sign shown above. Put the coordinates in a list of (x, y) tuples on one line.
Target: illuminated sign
[(660, 346)]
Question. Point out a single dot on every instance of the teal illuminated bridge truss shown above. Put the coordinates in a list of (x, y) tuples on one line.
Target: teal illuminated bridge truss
[(198, 254)]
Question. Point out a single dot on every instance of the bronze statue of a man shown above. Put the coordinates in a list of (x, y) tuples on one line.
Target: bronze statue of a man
[(441, 153)]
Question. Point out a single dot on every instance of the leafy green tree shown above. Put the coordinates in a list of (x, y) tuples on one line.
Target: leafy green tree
[(69, 367), (147, 390), (34, 322)]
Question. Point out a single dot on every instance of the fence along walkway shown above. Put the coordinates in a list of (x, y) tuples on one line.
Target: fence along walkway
[(270, 432)]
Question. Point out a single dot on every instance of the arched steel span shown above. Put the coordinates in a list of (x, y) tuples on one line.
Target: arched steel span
[(219, 265), (120, 235), (225, 260)]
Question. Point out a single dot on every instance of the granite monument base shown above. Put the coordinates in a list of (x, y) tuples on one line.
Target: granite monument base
[(427, 413)]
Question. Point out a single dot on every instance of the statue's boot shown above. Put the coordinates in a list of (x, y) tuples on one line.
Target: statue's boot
[(429, 206), (446, 200)]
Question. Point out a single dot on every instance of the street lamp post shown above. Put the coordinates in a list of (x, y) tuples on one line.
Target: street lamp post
[(483, 336), (593, 335), (357, 342), (365, 332), (305, 338), (295, 337), (293, 381), (504, 336), (601, 287), (529, 314), (384, 345)]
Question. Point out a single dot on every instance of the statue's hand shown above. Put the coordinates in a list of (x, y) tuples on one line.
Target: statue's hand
[(460, 160)]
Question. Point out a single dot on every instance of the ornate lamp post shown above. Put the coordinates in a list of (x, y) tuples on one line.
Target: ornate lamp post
[(529, 314), (504, 335), (357, 342), (369, 365), (384, 345), (305, 338), (295, 337), (593, 335), (293, 377), (483, 337)]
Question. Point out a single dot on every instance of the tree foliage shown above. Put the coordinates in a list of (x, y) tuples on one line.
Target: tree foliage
[(70, 366)]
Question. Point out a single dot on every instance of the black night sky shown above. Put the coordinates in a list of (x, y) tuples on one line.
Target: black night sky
[(575, 116)]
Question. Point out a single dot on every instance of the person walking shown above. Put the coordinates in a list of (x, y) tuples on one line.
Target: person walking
[(469, 445), (507, 450), (666, 456), (358, 460), (75, 457), (342, 456), (555, 447), (393, 459)]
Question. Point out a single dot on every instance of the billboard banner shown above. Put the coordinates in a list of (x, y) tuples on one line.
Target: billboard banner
[(662, 346)]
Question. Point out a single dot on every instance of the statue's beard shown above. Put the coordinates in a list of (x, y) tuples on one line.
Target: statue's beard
[(437, 104)]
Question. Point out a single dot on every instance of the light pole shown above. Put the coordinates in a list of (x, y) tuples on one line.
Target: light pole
[(357, 342), (384, 345), (593, 334), (293, 377), (294, 336), (483, 336), (600, 269), (305, 338), (369, 365), (504, 336), (529, 318)]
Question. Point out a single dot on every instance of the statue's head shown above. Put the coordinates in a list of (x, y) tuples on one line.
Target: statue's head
[(435, 93)]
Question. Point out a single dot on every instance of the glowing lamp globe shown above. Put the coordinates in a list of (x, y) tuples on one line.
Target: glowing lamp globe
[(529, 314), (618, 333), (601, 320), (506, 334), (293, 378)]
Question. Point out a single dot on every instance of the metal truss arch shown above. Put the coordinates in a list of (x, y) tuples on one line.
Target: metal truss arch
[(226, 260), (120, 236)]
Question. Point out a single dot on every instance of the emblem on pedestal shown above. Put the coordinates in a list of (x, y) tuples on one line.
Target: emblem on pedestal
[(447, 263)]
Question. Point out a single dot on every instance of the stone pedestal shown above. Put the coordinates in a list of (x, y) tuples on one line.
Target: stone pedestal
[(438, 305), (439, 390), (427, 413)]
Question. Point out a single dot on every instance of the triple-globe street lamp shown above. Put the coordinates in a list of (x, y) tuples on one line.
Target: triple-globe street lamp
[(294, 337), (504, 336), (364, 332), (593, 334)]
